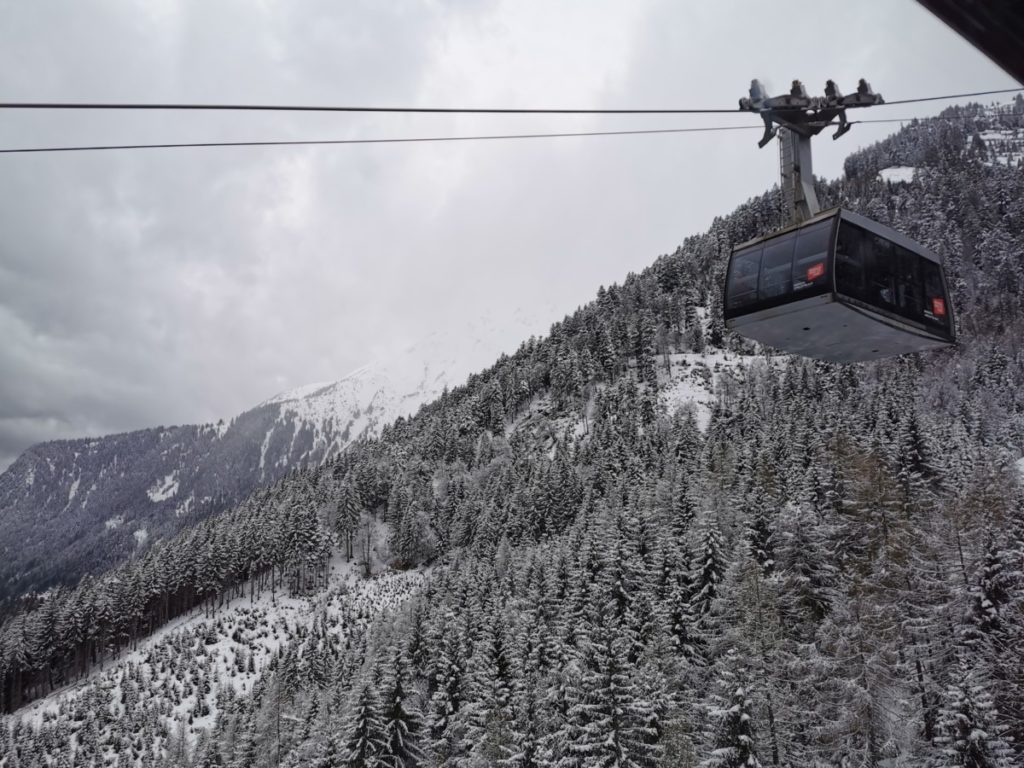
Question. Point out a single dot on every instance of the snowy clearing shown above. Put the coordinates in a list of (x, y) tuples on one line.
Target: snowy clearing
[(898, 174)]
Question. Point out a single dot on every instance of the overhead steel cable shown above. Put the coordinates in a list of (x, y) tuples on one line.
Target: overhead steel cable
[(411, 140), (408, 110), (62, 105), (952, 96), (485, 137)]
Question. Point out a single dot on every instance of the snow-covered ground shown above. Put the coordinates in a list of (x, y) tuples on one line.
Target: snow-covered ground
[(694, 381), (898, 174), (164, 488), (1005, 146), (201, 656)]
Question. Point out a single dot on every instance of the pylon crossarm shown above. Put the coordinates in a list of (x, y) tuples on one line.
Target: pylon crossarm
[(795, 117)]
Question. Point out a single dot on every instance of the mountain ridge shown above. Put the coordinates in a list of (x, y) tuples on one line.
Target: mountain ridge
[(98, 500)]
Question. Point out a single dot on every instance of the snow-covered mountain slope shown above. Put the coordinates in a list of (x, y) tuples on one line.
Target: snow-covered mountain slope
[(1000, 144), (159, 697), (72, 507), (697, 378)]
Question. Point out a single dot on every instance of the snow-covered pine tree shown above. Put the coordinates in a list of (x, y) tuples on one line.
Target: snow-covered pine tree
[(732, 738), (350, 508), (709, 568), (611, 722), (401, 720), (969, 731), (364, 732)]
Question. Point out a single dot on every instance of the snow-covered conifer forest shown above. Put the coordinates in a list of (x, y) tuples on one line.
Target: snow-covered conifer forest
[(569, 562)]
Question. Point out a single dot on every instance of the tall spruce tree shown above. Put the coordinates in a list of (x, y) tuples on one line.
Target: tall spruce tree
[(401, 721), (365, 737)]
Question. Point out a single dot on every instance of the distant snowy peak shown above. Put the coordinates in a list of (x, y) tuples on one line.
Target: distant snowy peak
[(297, 394), (371, 387), (326, 417)]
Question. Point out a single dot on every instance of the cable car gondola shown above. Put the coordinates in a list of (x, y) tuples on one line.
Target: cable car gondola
[(839, 287), (834, 285)]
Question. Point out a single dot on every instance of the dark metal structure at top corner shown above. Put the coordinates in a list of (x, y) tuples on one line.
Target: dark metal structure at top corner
[(994, 27)]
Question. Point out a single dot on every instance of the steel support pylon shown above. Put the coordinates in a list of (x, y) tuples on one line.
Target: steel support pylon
[(799, 200)]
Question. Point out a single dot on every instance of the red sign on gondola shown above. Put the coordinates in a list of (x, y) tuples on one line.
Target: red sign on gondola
[(939, 307), (813, 273)]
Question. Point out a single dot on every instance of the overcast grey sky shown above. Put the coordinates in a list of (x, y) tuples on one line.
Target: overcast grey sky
[(174, 286)]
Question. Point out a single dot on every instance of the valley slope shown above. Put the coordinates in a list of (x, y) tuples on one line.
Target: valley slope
[(74, 507)]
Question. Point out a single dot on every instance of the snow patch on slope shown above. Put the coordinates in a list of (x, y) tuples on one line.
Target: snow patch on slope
[(1005, 146), (164, 489), (694, 379), (898, 174), (184, 507)]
